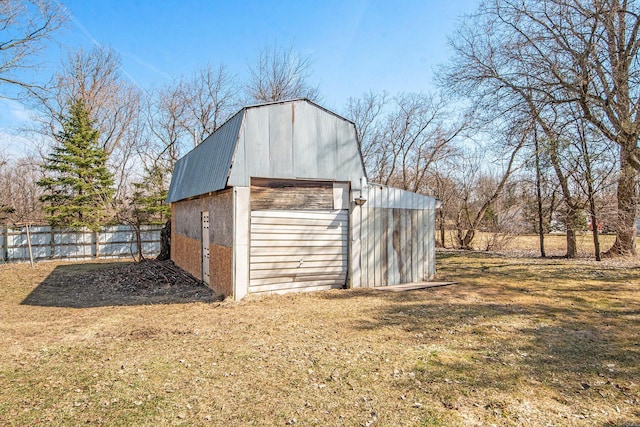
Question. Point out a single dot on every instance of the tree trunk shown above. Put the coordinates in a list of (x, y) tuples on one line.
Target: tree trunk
[(625, 243), (139, 256), (468, 238), (165, 242), (571, 222), (595, 231), (539, 198)]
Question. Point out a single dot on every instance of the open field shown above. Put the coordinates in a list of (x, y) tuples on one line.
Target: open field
[(528, 244), (518, 341)]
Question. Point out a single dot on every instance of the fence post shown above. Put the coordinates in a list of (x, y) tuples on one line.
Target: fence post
[(96, 235), (26, 226), (52, 243)]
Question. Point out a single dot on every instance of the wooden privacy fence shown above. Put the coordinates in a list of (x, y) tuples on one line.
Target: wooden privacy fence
[(42, 242)]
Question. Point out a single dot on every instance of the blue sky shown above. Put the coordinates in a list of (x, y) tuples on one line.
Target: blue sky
[(354, 46)]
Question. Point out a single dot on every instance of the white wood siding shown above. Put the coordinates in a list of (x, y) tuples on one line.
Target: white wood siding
[(298, 250)]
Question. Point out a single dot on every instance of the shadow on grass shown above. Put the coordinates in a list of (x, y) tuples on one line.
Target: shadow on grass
[(496, 331), (86, 285)]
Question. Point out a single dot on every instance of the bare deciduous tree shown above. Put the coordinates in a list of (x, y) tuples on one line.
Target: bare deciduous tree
[(280, 74), (25, 28), (479, 186), (551, 53), (19, 193), (209, 98), (404, 136)]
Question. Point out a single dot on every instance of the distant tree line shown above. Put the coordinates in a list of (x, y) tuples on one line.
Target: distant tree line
[(535, 127)]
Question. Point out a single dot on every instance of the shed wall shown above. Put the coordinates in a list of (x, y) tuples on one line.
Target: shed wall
[(299, 235), (186, 245), (393, 235)]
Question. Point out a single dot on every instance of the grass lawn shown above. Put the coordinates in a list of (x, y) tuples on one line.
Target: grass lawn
[(518, 341), (529, 244)]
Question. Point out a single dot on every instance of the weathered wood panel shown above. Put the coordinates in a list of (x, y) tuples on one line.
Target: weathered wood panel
[(221, 276), (188, 227), (268, 194), (186, 254), (298, 250), (396, 237)]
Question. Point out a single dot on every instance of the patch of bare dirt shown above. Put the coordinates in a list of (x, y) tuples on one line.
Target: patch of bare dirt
[(146, 282)]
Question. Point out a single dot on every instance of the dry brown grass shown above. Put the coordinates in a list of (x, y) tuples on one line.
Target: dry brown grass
[(528, 245), (516, 342)]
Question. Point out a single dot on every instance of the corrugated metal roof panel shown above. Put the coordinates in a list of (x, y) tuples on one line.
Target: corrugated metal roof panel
[(381, 196), (206, 168)]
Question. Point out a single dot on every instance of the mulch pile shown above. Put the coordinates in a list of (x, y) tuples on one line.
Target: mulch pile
[(145, 282)]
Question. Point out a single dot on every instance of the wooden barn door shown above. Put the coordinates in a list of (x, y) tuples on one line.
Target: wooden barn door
[(299, 240), (205, 248)]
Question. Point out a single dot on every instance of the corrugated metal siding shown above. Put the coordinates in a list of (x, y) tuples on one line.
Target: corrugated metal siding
[(396, 237), (297, 250), (206, 168), (295, 140)]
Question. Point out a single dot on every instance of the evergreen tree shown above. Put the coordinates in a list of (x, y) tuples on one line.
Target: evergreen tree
[(148, 202), (78, 186)]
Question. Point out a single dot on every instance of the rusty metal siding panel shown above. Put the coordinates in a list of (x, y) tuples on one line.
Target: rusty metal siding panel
[(205, 168)]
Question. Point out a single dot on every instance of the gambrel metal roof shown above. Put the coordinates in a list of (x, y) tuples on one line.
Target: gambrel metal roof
[(295, 139)]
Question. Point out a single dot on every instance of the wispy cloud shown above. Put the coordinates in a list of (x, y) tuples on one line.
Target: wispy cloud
[(13, 112), (97, 43), (147, 65), (18, 145), (84, 30)]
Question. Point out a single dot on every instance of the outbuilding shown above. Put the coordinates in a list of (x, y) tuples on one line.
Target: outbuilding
[(276, 200)]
